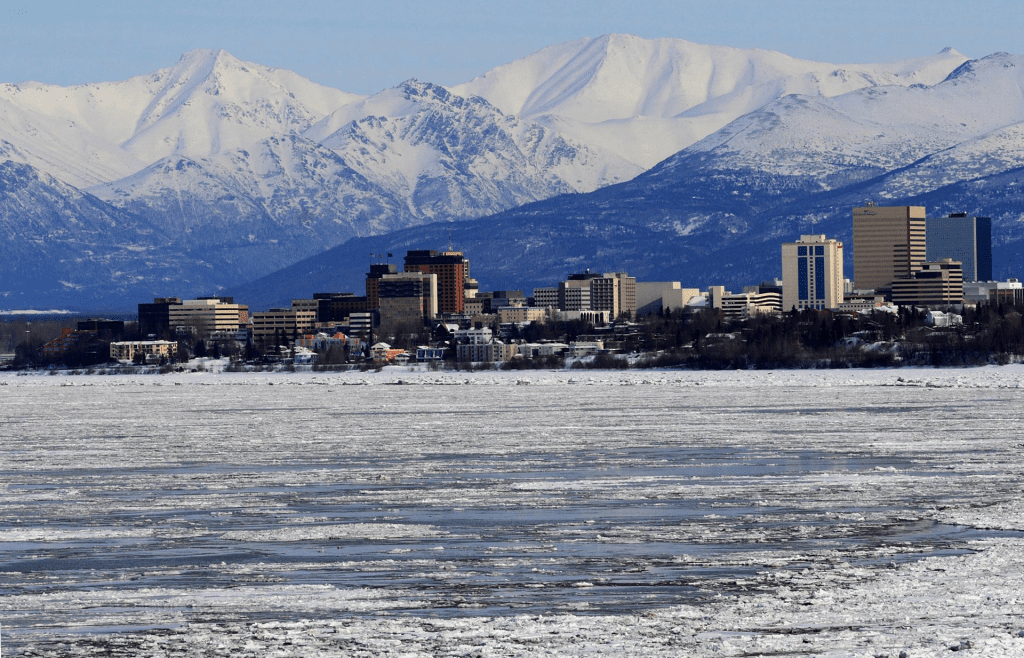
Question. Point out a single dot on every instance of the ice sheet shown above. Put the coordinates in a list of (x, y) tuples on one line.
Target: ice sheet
[(425, 513)]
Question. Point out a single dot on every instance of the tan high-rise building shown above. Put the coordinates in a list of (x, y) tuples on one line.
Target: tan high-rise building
[(812, 273), (888, 244)]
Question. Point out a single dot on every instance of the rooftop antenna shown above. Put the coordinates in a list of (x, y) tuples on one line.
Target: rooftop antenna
[(451, 247), (869, 204)]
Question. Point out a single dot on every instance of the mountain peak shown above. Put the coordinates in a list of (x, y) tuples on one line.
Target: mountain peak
[(414, 89), (205, 55), (972, 67)]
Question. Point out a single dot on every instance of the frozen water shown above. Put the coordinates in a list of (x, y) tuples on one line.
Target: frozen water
[(660, 513)]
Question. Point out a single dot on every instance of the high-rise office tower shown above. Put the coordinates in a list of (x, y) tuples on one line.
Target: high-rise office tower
[(373, 277), (888, 244), (451, 269), (964, 239)]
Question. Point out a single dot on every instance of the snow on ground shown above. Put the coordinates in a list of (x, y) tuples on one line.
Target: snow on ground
[(570, 513)]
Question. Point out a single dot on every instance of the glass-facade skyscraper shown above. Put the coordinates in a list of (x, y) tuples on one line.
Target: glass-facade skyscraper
[(962, 238)]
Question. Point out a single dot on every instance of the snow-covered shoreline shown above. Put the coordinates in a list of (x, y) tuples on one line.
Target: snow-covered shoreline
[(833, 453), (212, 371)]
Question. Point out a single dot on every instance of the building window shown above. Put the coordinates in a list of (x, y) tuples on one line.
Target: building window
[(819, 277), (802, 277)]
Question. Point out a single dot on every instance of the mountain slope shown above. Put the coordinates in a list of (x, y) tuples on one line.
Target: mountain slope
[(716, 212), (876, 129), (647, 99), (451, 156), (259, 208), (208, 102), (58, 247)]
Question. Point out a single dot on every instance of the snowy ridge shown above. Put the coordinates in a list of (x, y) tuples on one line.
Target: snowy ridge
[(275, 201), (967, 125), (678, 91), (209, 101), (61, 147), (454, 156)]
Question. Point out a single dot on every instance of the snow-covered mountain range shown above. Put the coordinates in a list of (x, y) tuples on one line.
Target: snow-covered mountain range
[(716, 212), (647, 99), (236, 170)]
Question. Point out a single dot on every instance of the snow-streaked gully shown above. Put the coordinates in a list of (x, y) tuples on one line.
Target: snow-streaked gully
[(824, 513)]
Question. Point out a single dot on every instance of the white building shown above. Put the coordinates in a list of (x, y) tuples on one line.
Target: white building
[(585, 348), (652, 296), (152, 350), (747, 304), (480, 336), (1010, 291), (812, 273), (532, 350)]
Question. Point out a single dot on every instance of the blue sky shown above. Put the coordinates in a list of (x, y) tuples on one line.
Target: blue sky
[(366, 46)]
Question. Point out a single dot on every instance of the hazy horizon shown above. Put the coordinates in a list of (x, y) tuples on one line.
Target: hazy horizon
[(365, 48)]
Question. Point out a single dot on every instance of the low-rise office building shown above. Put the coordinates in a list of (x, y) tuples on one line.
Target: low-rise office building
[(203, 316), (1009, 292), (585, 348), (535, 350), (935, 284), (746, 304), (284, 322), (521, 314)]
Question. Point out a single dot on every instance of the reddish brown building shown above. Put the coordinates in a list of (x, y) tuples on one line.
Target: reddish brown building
[(450, 269), (373, 278)]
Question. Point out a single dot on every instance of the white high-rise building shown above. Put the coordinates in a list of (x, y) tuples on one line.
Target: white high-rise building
[(812, 273)]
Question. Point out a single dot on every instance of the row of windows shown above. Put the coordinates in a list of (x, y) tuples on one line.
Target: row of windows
[(804, 275), (806, 251)]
